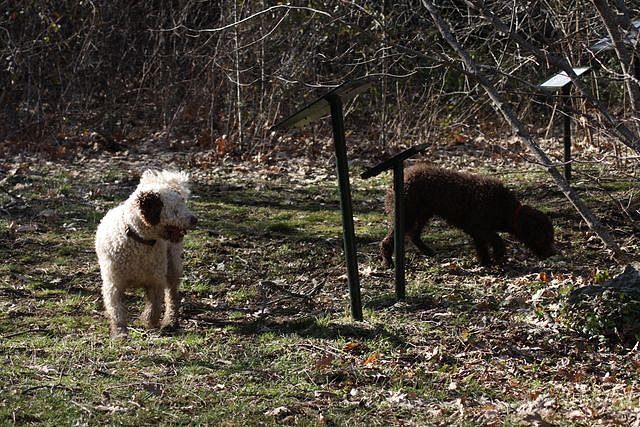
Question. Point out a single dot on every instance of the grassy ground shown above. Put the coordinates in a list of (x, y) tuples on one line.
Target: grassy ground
[(266, 335)]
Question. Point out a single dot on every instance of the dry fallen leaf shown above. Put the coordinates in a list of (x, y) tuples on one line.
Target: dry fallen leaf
[(325, 361), (352, 346), (371, 360), (544, 277), (221, 145)]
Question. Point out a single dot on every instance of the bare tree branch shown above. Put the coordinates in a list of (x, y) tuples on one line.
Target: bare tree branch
[(626, 136), (624, 56), (521, 130), (267, 10)]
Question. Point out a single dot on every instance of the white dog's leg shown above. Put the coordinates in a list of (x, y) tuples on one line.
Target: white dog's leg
[(171, 296), (115, 309), (152, 306)]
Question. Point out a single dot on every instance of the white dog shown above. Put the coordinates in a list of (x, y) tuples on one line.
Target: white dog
[(139, 244)]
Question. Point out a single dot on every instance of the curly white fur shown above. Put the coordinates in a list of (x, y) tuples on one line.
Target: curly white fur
[(139, 244)]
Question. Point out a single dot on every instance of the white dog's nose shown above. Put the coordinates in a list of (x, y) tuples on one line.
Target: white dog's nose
[(193, 221)]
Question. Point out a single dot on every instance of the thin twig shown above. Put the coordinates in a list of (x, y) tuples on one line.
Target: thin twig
[(279, 288), (26, 331), (248, 18)]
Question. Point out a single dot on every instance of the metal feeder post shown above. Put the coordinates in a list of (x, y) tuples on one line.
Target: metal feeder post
[(332, 102), (397, 164), (346, 205), (398, 238), (563, 81)]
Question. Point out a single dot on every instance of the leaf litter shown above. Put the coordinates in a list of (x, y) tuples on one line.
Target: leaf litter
[(468, 346)]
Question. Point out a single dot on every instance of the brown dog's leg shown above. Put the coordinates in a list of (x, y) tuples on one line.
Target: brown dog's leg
[(417, 240), (426, 250), (415, 233), (386, 250), (482, 248), (499, 248)]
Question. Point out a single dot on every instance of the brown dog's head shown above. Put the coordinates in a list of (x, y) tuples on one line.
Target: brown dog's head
[(533, 228)]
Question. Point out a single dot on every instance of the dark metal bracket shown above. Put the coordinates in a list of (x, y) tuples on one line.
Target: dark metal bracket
[(397, 164)]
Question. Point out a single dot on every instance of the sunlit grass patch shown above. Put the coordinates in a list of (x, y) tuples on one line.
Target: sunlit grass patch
[(266, 335)]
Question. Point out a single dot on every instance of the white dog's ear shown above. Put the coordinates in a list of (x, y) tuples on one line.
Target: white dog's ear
[(150, 205)]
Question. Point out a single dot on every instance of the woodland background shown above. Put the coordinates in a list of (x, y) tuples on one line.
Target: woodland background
[(94, 92), (218, 74)]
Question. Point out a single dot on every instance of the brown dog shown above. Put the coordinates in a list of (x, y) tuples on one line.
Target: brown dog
[(480, 206)]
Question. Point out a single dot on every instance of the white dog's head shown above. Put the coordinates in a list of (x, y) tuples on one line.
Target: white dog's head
[(160, 199)]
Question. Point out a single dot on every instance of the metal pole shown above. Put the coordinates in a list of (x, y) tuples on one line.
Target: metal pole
[(566, 92), (398, 238), (345, 205)]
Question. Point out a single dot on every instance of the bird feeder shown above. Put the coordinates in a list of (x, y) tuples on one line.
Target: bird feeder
[(562, 82), (332, 103)]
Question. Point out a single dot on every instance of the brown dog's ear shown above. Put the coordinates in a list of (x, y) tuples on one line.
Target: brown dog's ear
[(150, 207)]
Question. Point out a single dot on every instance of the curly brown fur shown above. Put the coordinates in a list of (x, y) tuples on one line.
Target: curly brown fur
[(480, 206)]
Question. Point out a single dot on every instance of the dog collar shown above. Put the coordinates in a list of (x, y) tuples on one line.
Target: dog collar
[(135, 236)]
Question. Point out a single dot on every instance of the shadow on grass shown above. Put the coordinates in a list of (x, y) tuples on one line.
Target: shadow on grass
[(406, 305), (278, 196), (289, 322)]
